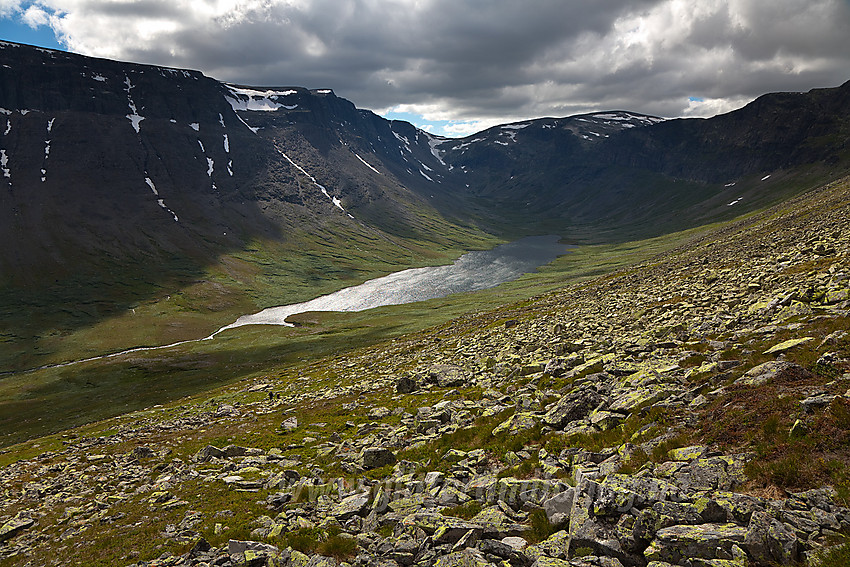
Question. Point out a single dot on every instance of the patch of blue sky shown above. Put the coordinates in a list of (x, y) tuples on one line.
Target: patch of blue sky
[(14, 28), (447, 128)]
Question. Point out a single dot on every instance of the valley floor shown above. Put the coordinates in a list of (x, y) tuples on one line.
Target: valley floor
[(691, 410)]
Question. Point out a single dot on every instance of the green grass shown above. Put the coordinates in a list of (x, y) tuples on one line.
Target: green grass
[(54, 399)]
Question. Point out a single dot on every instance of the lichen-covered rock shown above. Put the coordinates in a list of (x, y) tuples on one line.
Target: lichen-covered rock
[(354, 505), (769, 541), (574, 406), (374, 457), (544, 561), (465, 558), (448, 376), (516, 423), (706, 541), (558, 507), (15, 526), (777, 370), (593, 521)]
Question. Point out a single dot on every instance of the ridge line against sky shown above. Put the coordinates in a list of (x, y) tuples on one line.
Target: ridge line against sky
[(454, 67)]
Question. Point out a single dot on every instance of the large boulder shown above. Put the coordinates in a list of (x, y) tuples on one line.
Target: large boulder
[(706, 541), (15, 526), (374, 457), (448, 376), (776, 370), (769, 541), (354, 505), (559, 506), (593, 521), (576, 405)]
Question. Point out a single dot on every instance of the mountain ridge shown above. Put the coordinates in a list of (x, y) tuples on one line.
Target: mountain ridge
[(132, 182)]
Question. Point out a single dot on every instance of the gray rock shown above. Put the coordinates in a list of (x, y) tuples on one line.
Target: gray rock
[(406, 385), (816, 402), (208, 453), (321, 561), (574, 406), (593, 522), (558, 507), (235, 546), (465, 558), (374, 457), (15, 526), (770, 541), (289, 424), (773, 370), (354, 505), (707, 541), (448, 376)]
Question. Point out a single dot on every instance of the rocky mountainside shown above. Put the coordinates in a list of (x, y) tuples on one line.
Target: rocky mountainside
[(690, 410), (105, 161), (123, 183)]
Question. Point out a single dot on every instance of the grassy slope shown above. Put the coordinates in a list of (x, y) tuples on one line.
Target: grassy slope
[(54, 399), (762, 423)]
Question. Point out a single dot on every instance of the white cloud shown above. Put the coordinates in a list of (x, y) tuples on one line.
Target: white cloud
[(451, 60), (35, 16), (9, 7)]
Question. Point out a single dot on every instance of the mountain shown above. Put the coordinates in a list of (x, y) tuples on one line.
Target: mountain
[(122, 184)]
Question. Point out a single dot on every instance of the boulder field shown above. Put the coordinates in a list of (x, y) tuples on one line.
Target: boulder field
[(693, 411)]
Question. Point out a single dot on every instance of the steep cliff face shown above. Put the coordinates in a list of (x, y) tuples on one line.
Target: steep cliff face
[(100, 157)]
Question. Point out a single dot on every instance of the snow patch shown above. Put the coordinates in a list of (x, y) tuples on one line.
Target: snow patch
[(467, 144), (50, 125), (5, 111), (257, 100), (135, 120), (160, 202), (612, 116), (226, 144), (4, 164), (515, 126), (730, 184), (735, 202), (251, 128), (99, 77), (173, 121), (133, 117), (765, 178), (426, 176), (195, 126), (8, 127), (403, 140), (434, 142), (200, 143), (230, 168), (210, 166), (336, 201), (367, 164), (221, 120), (325, 91)]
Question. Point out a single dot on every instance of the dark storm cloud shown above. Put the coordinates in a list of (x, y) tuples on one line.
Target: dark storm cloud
[(485, 60)]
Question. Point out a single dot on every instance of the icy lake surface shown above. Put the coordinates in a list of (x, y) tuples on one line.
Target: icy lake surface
[(471, 272)]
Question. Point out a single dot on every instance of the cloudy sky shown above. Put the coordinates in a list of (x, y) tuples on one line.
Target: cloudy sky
[(457, 66)]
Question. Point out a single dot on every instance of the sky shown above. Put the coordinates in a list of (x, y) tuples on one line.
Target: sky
[(454, 67)]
